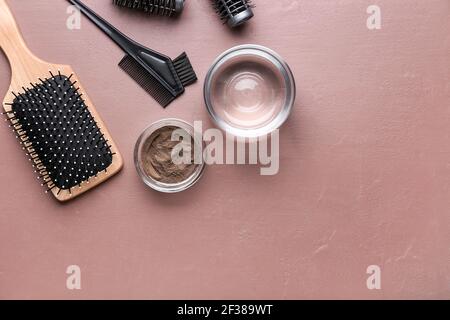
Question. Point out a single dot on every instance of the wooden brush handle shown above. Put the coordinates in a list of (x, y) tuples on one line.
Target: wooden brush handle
[(11, 40)]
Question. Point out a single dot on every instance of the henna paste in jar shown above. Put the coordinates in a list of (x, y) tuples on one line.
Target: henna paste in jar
[(157, 157)]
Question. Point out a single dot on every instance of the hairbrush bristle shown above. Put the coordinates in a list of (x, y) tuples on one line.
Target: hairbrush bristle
[(184, 70), (58, 132), (234, 12), (157, 7)]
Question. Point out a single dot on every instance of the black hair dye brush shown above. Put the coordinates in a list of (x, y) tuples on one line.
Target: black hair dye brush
[(168, 8), (234, 12), (163, 78)]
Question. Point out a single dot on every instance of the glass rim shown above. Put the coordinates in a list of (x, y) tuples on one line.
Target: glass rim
[(279, 64), (153, 183)]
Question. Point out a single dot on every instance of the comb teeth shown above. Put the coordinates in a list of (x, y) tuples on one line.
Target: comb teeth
[(146, 81), (58, 132), (229, 9), (158, 7), (184, 70)]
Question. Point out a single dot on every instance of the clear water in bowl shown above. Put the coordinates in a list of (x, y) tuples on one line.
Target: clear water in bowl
[(248, 92)]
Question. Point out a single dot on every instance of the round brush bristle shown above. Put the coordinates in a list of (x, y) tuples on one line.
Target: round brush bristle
[(234, 12), (157, 7)]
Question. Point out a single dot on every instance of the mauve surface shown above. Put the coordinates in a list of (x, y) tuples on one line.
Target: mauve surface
[(365, 164)]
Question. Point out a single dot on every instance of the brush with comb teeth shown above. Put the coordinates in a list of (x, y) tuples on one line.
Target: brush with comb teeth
[(163, 78)]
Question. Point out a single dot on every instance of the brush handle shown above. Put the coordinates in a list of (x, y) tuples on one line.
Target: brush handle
[(127, 44), (156, 64), (11, 40)]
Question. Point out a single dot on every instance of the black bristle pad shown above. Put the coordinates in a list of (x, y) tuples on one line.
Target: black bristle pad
[(139, 74), (63, 134), (157, 7), (228, 8), (184, 70)]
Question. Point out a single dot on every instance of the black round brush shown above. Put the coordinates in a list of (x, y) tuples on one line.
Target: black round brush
[(157, 7), (234, 12)]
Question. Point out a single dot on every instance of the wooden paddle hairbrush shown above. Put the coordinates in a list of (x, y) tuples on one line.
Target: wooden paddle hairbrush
[(54, 120)]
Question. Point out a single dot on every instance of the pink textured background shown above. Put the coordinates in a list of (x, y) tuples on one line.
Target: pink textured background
[(365, 164)]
